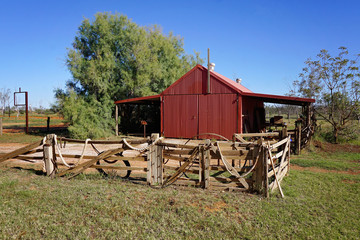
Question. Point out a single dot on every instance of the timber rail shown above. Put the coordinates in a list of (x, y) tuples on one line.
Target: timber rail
[(236, 165)]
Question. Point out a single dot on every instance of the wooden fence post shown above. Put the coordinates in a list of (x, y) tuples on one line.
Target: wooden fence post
[(48, 124), (207, 168), (258, 182), (155, 162), (49, 155), (205, 164), (202, 167), (266, 171)]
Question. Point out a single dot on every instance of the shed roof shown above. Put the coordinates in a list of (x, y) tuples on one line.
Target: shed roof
[(280, 99), (141, 100), (229, 82), (236, 87)]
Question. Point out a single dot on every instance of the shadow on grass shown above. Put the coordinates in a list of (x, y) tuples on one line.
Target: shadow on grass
[(31, 170)]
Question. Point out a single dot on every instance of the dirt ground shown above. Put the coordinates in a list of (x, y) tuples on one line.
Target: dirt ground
[(329, 147)]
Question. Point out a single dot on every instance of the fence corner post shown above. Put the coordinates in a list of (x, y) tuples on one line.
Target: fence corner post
[(49, 155), (155, 162), (204, 177), (258, 183), (265, 159), (206, 161)]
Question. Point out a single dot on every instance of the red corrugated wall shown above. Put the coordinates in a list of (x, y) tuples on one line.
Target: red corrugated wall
[(189, 111), (218, 114), (180, 116)]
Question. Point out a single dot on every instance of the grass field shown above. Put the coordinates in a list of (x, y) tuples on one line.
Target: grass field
[(35, 120), (317, 205), (14, 128)]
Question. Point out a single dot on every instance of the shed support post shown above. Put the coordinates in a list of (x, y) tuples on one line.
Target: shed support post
[(155, 162), (116, 120), (284, 134), (49, 155), (297, 137), (308, 115)]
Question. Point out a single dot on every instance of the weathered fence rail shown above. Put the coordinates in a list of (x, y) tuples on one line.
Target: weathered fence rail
[(238, 165)]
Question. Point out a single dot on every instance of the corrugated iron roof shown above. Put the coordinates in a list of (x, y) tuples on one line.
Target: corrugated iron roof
[(141, 100), (280, 99), (228, 82)]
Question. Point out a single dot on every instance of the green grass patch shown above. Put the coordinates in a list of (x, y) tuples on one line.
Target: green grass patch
[(20, 138), (316, 206), (341, 161)]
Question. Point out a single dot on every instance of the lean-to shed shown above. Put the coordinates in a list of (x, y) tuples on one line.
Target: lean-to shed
[(188, 108)]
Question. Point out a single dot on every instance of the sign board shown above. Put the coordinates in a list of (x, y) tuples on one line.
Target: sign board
[(19, 99)]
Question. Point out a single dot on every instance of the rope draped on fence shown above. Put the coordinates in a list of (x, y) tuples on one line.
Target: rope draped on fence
[(141, 149), (60, 154), (268, 162)]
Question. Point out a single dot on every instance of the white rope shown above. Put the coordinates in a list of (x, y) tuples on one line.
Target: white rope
[(43, 142), (228, 167), (141, 149), (231, 169), (83, 152), (61, 157)]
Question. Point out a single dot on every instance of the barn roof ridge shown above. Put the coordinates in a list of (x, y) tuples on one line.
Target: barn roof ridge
[(227, 82)]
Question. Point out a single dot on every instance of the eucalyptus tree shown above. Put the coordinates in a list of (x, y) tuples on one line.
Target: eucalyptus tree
[(113, 58), (334, 81)]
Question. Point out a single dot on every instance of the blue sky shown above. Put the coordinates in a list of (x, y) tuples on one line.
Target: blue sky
[(263, 42)]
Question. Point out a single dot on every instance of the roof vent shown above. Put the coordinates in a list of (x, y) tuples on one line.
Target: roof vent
[(211, 66), (238, 80)]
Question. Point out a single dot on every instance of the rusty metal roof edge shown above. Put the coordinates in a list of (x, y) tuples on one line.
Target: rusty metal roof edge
[(137, 99), (279, 97)]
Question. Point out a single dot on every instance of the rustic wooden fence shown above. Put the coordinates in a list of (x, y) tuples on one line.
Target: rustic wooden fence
[(237, 165)]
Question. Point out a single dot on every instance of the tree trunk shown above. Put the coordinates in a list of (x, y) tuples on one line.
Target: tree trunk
[(336, 133)]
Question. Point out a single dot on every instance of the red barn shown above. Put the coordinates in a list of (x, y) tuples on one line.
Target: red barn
[(188, 108)]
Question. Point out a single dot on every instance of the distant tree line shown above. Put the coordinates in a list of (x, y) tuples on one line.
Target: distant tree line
[(5, 94), (287, 111)]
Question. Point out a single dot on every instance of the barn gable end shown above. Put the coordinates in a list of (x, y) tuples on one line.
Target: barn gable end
[(195, 82)]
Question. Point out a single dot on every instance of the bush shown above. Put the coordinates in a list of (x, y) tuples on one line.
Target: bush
[(88, 118), (351, 133)]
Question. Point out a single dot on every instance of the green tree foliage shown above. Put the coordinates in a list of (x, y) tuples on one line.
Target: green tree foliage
[(335, 84), (113, 58)]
